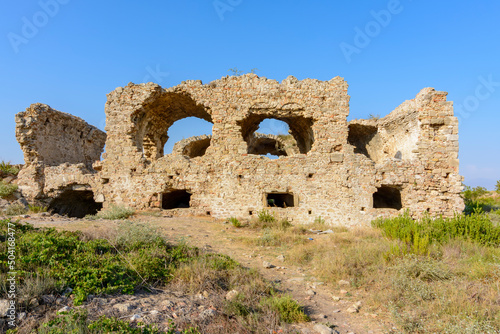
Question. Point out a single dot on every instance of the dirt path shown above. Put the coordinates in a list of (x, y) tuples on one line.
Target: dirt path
[(213, 235)]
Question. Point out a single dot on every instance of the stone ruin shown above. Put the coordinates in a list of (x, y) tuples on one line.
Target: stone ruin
[(348, 173)]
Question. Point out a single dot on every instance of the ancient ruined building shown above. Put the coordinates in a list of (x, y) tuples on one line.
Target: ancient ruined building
[(346, 172)]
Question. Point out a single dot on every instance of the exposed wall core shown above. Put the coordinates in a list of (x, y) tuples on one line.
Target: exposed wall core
[(175, 199), (363, 138), (196, 148), (75, 203), (387, 197), (52, 137)]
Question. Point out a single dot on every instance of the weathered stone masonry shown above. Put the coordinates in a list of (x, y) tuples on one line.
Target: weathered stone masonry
[(346, 172)]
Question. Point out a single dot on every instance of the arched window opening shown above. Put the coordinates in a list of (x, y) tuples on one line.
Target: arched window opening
[(75, 203), (174, 115), (276, 137), (188, 128), (387, 197)]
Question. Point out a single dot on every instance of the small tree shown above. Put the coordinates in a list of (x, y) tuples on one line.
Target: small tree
[(497, 187), (473, 194)]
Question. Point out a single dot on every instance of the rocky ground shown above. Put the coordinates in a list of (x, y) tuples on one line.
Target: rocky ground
[(334, 307)]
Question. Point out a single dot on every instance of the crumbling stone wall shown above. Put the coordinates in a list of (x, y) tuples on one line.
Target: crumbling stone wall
[(59, 150), (346, 172), (51, 137)]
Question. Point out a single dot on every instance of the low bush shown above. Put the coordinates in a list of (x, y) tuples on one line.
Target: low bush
[(92, 266), (479, 198), (16, 209), (134, 257), (112, 213), (318, 224), (265, 216), (134, 236), (433, 275), (35, 285), (7, 168), (37, 209), (234, 221), (419, 234), (287, 308), (7, 189)]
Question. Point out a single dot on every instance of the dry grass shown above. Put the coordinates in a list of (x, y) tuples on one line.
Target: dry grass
[(453, 288), (256, 308)]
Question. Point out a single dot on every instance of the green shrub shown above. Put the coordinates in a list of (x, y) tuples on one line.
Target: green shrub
[(419, 234), (234, 221), (472, 194), (237, 306), (7, 189), (497, 187), (266, 217), (37, 209), (16, 209), (133, 236), (112, 213), (7, 168), (475, 198), (92, 266), (288, 309)]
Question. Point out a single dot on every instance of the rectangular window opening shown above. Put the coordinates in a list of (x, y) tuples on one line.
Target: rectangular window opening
[(280, 200), (175, 199), (387, 197)]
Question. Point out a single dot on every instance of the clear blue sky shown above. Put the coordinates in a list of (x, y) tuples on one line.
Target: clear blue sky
[(82, 50)]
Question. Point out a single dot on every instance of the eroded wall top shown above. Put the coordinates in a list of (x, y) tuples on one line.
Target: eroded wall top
[(52, 137)]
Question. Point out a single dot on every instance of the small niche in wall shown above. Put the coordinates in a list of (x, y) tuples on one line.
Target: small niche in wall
[(280, 200), (387, 197), (175, 199)]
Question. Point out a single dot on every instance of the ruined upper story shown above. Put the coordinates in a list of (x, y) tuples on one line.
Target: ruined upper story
[(327, 166)]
